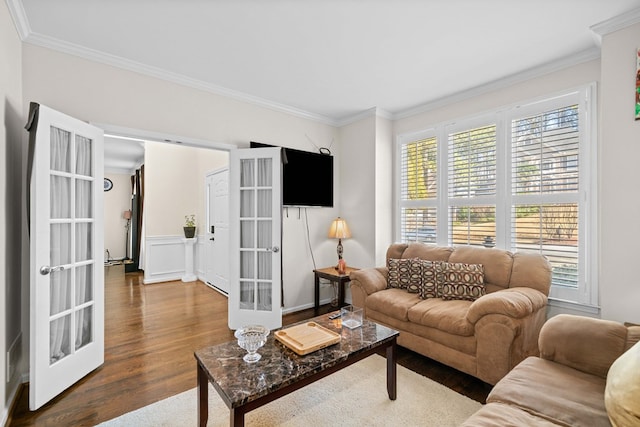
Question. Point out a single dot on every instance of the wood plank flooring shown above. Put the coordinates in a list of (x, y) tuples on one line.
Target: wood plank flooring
[(151, 332)]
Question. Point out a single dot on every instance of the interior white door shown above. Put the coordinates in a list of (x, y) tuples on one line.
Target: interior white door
[(255, 289), (66, 244), (217, 233)]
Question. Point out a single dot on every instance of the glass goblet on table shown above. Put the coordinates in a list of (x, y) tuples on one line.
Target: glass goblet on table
[(251, 338)]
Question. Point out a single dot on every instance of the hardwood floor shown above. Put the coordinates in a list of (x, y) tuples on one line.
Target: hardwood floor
[(151, 333)]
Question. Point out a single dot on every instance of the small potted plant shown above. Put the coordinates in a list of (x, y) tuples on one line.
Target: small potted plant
[(189, 226)]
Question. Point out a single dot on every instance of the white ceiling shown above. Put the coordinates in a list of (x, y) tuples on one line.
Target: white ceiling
[(328, 59)]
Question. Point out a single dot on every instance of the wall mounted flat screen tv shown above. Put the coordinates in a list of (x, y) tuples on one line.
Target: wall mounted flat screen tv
[(307, 178)]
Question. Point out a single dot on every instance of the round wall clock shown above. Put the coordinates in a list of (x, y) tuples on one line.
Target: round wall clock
[(108, 185)]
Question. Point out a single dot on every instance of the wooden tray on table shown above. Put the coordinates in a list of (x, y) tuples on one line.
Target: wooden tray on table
[(307, 337)]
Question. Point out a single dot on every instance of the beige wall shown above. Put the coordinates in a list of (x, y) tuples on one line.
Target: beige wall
[(116, 201), (619, 195), (174, 186), (11, 202)]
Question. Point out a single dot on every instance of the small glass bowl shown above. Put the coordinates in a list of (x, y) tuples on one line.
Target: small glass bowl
[(251, 338)]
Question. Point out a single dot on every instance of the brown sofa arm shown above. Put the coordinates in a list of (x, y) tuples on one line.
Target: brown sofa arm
[(517, 303), (366, 282), (583, 343)]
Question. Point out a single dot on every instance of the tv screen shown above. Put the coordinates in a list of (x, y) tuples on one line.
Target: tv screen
[(307, 178)]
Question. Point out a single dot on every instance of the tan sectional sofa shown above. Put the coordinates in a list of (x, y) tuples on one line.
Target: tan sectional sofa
[(587, 374), (485, 338)]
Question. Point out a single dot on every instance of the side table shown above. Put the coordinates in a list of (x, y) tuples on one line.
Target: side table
[(331, 274)]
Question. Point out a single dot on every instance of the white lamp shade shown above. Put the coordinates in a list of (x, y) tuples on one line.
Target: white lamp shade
[(339, 229)]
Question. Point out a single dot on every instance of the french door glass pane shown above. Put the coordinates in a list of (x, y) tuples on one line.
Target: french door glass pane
[(60, 288), (84, 284), (264, 265), (84, 241), (247, 234), (264, 296), (264, 203), (60, 235), (60, 194), (247, 173), (247, 265), (83, 156), (247, 204), (247, 295), (59, 339), (60, 150), (84, 319), (83, 194), (264, 234), (264, 172)]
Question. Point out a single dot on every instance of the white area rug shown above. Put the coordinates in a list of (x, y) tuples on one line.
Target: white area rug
[(354, 396)]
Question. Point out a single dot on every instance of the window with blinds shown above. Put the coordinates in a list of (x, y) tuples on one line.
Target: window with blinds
[(471, 162), (545, 161), (521, 178), (418, 189)]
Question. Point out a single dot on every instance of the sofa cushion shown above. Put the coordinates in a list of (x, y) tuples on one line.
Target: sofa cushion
[(393, 302), (448, 316), (497, 264), (555, 392), (500, 414), (456, 281), (404, 273), (427, 252), (428, 285), (622, 392)]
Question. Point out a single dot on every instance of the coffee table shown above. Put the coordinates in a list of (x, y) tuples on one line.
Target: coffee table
[(246, 386)]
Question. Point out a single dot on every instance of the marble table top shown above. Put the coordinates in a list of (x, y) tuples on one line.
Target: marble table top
[(239, 382)]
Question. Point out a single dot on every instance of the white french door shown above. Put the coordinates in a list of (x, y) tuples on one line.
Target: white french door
[(255, 289), (66, 244), (217, 232)]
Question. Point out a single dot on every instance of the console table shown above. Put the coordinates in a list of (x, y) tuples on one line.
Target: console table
[(332, 275)]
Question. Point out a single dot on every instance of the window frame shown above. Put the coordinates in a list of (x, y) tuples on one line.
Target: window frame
[(586, 293)]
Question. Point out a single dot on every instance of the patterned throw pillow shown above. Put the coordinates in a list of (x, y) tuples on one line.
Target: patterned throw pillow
[(459, 281), (403, 273), (428, 285), (415, 276)]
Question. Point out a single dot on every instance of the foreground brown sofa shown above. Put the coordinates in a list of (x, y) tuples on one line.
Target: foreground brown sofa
[(587, 374), (485, 338)]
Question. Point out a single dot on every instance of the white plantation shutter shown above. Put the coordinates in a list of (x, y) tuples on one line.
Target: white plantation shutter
[(545, 189), (419, 190), (521, 179), (472, 185)]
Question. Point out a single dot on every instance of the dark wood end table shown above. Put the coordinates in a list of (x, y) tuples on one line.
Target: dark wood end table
[(331, 274)]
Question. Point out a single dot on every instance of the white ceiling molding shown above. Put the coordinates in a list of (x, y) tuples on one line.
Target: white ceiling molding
[(19, 17), (374, 111), (560, 64), (616, 23)]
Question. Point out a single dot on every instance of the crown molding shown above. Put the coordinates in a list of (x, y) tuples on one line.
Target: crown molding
[(374, 111), (616, 23), (126, 64), (548, 68), (19, 16)]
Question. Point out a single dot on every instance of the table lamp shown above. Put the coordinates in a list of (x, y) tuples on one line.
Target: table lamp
[(339, 230)]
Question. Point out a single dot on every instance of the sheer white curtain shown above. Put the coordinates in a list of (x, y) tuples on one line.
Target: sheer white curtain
[(61, 245)]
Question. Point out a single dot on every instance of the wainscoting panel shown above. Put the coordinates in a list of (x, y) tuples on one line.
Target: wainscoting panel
[(165, 257)]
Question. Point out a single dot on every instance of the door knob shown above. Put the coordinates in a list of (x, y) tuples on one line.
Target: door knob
[(213, 238), (45, 269), (273, 249)]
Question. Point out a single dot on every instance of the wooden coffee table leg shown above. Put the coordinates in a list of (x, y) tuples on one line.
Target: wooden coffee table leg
[(203, 397), (391, 371), (236, 417)]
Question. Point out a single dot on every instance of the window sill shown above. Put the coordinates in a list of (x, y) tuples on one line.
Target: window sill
[(557, 306)]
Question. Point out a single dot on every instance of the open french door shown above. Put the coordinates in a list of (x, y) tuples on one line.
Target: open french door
[(255, 222), (66, 244)]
